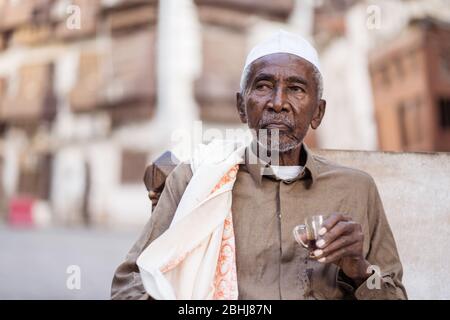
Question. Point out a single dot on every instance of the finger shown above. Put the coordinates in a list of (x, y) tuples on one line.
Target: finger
[(351, 250), (303, 237), (331, 221), (339, 243), (341, 228)]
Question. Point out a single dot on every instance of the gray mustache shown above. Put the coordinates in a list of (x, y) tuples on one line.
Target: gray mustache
[(266, 120)]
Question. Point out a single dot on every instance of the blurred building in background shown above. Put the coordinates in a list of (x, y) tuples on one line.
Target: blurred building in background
[(411, 85), (75, 75), (347, 34), (93, 90)]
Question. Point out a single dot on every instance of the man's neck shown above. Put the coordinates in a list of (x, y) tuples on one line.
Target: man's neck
[(293, 157)]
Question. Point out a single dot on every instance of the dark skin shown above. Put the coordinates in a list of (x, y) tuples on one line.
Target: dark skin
[(281, 94)]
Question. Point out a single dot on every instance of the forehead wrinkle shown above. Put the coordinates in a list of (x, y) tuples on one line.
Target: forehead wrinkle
[(264, 76), (281, 61), (262, 65), (293, 78)]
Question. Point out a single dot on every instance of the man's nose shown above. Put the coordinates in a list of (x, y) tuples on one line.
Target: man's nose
[(278, 102)]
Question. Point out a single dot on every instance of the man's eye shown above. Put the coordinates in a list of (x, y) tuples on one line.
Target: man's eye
[(296, 89), (262, 86)]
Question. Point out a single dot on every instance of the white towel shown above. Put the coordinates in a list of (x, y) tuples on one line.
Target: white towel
[(195, 257)]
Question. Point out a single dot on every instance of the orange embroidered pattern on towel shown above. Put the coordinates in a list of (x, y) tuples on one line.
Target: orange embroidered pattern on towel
[(225, 279)]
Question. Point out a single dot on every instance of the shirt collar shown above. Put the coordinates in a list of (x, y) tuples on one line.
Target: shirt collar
[(258, 167)]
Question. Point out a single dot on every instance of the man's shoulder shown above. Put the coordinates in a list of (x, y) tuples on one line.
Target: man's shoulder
[(326, 167), (180, 175)]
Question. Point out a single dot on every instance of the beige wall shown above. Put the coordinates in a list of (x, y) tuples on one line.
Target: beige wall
[(415, 188)]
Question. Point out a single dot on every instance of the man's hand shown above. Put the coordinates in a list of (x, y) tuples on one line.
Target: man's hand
[(341, 243), (154, 198)]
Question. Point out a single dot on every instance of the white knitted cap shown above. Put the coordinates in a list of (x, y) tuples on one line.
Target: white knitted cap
[(283, 42)]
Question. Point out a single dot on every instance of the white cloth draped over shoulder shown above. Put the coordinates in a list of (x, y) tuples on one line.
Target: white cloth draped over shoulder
[(195, 257)]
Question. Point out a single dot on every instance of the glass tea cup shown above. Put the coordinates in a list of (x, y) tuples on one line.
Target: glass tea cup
[(308, 233)]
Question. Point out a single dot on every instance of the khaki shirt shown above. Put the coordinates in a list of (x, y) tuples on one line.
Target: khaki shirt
[(270, 263)]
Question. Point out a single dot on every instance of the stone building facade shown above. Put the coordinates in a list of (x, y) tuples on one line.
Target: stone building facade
[(411, 85), (92, 90)]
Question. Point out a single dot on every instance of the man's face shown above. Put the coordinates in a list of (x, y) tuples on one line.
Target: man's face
[(281, 94)]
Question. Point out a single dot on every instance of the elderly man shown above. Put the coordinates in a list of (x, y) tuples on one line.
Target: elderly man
[(281, 91)]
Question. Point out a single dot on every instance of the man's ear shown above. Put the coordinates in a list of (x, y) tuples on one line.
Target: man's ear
[(241, 107), (318, 114)]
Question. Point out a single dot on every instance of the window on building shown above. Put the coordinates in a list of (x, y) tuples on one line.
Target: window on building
[(403, 129), (399, 68), (133, 166), (34, 176), (410, 124), (444, 112), (445, 61), (412, 60), (384, 76)]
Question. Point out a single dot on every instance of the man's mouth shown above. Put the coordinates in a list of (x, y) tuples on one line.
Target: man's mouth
[(279, 126)]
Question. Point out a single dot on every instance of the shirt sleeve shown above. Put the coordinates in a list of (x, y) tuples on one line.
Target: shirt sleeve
[(386, 280), (127, 283)]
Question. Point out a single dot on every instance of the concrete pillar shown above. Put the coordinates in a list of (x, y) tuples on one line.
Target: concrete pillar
[(178, 61)]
